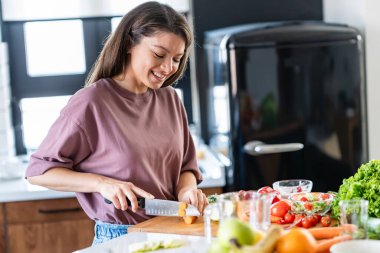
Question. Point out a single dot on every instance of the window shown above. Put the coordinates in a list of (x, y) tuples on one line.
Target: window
[(54, 48), (38, 114)]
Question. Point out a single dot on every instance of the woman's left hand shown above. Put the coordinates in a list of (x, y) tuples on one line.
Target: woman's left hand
[(195, 197)]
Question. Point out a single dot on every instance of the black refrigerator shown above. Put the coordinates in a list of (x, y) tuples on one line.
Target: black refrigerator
[(287, 82)]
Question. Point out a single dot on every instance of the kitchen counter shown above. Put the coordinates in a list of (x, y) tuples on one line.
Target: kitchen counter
[(19, 189), (121, 244)]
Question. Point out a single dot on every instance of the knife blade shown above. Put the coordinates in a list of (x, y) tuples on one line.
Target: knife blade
[(160, 207)]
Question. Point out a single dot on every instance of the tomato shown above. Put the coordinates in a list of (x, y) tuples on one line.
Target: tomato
[(308, 206), (265, 189), (318, 216), (306, 223), (312, 218), (289, 217), (281, 222), (244, 195), (268, 189), (280, 208), (326, 221), (304, 199), (324, 196), (298, 219)]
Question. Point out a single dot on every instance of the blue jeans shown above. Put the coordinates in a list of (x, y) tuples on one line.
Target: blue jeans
[(107, 231)]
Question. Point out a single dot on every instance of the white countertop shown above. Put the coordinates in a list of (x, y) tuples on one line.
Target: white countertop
[(194, 244), (19, 189)]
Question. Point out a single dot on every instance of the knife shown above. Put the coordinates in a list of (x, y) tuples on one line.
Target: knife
[(160, 207)]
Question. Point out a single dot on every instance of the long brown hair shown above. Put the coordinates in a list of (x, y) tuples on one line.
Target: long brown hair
[(142, 21)]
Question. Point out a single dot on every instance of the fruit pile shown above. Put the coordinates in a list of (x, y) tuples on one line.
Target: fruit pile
[(236, 236), (305, 211)]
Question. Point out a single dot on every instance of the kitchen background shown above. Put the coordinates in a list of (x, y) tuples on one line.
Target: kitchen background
[(48, 47)]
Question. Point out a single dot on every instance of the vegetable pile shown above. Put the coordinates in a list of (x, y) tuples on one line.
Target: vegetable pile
[(364, 184)]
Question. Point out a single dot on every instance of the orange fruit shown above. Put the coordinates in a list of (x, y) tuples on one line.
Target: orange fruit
[(297, 240)]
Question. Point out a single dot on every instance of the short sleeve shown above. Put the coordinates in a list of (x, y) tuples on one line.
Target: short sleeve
[(65, 145)]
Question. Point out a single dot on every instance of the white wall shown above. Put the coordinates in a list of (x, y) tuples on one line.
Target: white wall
[(364, 15), (14, 10)]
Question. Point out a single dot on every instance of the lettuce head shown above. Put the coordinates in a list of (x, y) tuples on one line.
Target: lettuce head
[(364, 184)]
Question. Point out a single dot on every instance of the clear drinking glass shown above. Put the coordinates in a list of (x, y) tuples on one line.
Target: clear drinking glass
[(254, 207), (222, 209), (260, 211), (249, 206), (354, 217)]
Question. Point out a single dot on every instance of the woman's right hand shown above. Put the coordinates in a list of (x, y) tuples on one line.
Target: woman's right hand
[(118, 191)]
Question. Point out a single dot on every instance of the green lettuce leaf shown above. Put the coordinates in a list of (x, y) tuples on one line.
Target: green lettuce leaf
[(364, 184)]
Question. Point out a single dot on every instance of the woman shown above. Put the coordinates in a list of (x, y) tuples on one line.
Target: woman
[(126, 133)]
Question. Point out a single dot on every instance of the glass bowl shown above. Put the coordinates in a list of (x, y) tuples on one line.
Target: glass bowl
[(288, 187), (311, 202), (374, 228)]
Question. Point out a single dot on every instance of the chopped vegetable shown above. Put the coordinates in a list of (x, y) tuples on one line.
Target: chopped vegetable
[(183, 205), (312, 203), (212, 198), (190, 219), (148, 246), (181, 212), (182, 209), (364, 184)]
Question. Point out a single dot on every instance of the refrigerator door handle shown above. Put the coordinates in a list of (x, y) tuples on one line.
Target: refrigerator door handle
[(256, 148)]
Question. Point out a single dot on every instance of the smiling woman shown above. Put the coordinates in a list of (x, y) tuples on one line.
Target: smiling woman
[(126, 133)]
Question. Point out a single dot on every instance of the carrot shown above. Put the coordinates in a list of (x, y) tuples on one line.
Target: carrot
[(190, 219), (325, 232), (182, 205), (325, 245), (181, 212)]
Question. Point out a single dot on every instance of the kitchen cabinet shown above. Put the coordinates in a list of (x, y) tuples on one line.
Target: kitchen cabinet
[(212, 190), (54, 225), (1, 230)]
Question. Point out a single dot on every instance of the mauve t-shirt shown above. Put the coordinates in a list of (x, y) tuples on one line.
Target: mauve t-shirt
[(107, 130)]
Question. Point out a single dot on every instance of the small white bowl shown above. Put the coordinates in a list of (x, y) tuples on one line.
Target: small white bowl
[(356, 246), (290, 186)]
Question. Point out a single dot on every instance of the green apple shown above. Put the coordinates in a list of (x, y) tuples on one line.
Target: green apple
[(217, 247), (235, 229)]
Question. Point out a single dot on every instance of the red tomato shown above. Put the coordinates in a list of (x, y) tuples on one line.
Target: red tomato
[(280, 208), (289, 217), (313, 219), (268, 189), (298, 218), (326, 221), (308, 206), (304, 199), (306, 223), (324, 196), (281, 222), (265, 189), (244, 195), (318, 216)]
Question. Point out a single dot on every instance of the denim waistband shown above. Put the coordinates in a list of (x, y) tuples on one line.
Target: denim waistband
[(107, 231)]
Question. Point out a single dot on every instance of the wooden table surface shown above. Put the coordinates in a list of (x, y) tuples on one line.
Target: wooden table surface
[(173, 225)]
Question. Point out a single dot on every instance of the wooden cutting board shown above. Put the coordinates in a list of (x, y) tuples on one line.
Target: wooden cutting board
[(173, 225)]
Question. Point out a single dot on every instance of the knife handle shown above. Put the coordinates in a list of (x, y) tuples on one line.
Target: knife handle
[(140, 202)]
